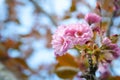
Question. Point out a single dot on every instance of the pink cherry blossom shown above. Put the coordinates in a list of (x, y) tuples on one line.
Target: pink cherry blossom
[(67, 36), (79, 33), (112, 46), (59, 42), (92, 18), (78, 76), (96, 28), (103, 68), (106, 41), (116, 50)]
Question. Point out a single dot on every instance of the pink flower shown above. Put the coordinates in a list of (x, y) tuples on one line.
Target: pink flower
[(116, 5), (96, 28), (106, 41), (103, 68), (112, 46), (61, 47), (115, 50), (59, 42), (78, 33), (68, 36), (92, 18), (78, 76)]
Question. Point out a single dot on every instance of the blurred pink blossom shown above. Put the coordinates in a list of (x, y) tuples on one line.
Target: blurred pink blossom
[(96, 28), (79, 33), (67, 36), (106, 41), (59, 42), (112, 46), (61, 45), (78, 76), (92, 18), (103, 68), (115, 50)]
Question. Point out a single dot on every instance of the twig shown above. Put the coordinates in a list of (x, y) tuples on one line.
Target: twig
[(90, 74), (39, 9), (110, 25)]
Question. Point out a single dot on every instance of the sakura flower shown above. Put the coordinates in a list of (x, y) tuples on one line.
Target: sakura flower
[(114, 48), (60, 45), (116, 5), (78, 76), (59, 42), (79, 33), (106, 41), (67, 36), (103, 68), (92, 18), (96, 28)]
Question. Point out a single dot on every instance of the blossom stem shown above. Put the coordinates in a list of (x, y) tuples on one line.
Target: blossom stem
[(91, 71), (90, 75)]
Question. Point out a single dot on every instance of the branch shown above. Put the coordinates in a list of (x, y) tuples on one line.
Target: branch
[(39, 9), (110, 26), (90, 74)]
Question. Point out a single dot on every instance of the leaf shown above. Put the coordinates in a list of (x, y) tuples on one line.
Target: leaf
[(114, 38), (9, 43), (73, 6), (18, 63), (107, 5), (34, 33), (83, 62), (66, 17), (27, 53), (66, 72), (17, 66), (3, 53), (21, 62), (105, 25), (80, 15), (49, 38), (12, 14), (67, 67), (67, 60), (114, 78), (17, 21)]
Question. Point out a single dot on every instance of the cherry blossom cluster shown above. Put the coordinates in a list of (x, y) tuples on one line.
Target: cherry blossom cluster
[(79, 34), (67, 36), (111, 47)]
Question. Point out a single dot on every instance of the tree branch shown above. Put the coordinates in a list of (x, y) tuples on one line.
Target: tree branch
[(39, 9)]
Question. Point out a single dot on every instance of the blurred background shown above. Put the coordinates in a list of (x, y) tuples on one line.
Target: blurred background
[(26, 27)]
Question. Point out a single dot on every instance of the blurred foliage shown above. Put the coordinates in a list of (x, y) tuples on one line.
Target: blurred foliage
[(66, 67), (67, 64)]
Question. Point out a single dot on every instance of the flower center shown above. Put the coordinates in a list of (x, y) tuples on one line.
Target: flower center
[(62, 41), (78, 34)]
